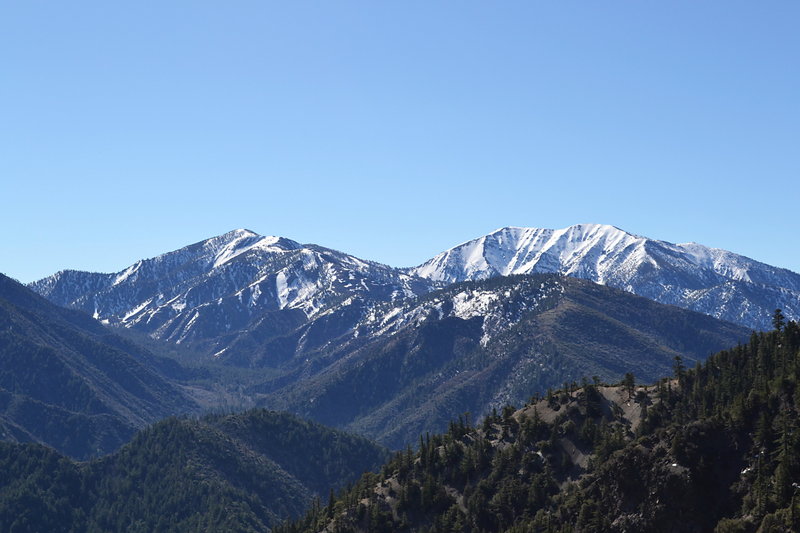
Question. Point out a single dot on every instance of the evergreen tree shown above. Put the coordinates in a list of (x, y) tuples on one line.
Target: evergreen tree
[(778, 320)]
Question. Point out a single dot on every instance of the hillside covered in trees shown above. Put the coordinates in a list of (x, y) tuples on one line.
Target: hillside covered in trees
[(243, 472), (712, 448), (68, 382)]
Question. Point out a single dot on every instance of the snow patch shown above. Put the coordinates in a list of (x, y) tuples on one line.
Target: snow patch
[(244, 243), (136, 310), (127, 273), (282, 289)]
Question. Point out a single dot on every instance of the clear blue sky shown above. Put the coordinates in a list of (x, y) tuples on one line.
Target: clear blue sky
[(393, 131)]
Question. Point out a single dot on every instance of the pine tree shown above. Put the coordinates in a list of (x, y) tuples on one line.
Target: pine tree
[(778, 320), (629, 384)]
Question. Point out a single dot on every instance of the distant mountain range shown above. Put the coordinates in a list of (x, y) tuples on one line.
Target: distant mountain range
[(205, 293), (466, 331)]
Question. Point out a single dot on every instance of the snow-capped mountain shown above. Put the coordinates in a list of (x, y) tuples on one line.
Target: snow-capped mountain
[(709, 280), (226, 284), (265, 296)]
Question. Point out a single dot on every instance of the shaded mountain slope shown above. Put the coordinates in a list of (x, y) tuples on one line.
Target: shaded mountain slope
[(66, 381)]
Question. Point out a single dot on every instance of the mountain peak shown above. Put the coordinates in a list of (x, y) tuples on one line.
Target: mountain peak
[(585, 226), (593, 227), (243, 235), (242, 232), (243, 241)]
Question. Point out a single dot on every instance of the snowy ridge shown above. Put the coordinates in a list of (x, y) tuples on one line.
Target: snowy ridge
[(225, 284), (582, 249), (709, 280), (499, 308)]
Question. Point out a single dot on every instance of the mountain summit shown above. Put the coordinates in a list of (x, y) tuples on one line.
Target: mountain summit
[(713, 281)]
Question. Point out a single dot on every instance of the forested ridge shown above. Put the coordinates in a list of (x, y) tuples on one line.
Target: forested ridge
[(235, 472), (712, 448)]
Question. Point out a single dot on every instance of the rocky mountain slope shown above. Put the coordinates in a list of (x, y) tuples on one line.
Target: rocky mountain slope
[(708, 280), (68, 382)]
